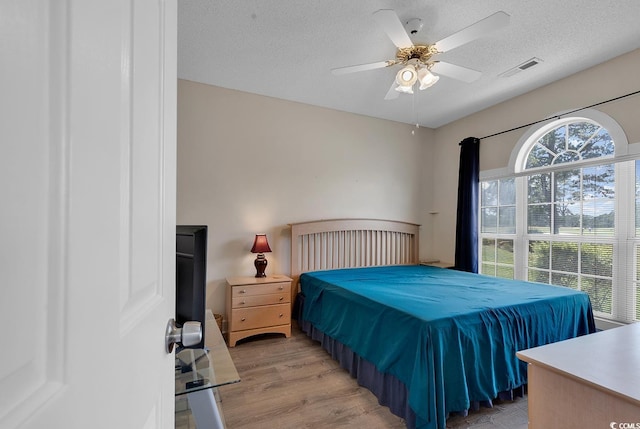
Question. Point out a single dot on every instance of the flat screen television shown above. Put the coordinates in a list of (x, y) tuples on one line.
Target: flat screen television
[(191, 275)]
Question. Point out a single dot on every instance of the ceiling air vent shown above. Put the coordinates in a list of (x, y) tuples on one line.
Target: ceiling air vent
[(521, 67)]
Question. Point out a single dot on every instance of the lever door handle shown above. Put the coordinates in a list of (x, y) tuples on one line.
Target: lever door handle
[(189, 335)]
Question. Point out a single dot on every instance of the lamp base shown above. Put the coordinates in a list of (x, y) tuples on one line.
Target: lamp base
[(260, 264)]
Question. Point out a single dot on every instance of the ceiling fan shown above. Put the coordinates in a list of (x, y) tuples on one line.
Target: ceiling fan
[(418, 65)]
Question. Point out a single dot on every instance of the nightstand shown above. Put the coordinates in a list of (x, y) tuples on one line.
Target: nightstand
[(437, 263), (258, 305)]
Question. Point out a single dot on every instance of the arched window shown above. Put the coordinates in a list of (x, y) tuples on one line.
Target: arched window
[(564, 213), (571, 142)]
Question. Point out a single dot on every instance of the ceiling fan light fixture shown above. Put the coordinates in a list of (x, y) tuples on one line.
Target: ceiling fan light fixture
[(426, 78), (405, 78), (404, 89)]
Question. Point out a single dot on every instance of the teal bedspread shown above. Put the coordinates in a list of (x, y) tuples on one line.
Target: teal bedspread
[(449, 336)]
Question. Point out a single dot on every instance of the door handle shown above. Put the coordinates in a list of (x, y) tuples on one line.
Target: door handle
[(189, 335)]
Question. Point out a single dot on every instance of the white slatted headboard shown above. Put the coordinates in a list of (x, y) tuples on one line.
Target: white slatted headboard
[(349, 243)]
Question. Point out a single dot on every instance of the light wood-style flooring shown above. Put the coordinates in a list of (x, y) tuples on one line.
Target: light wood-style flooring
[(294, 383)]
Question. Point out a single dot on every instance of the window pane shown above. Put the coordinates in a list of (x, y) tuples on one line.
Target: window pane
[(505, 252), (600, 145), (600, 292), (564, 257), (637, 317), (539, 254), (489, 193), (637, 278), (579, 133), (497, 214), (489, 269), (507, 192), (567, 157), (539, 219), (567, 219), (597, 259), (567, 186), (566, 280), (538, 276), (504, 272), (539, 188), (637, 218), (507, 220), (599, 182), (489, 219), (555, 140), (599, 217), (539, 157), (638, 199), (488, 250)]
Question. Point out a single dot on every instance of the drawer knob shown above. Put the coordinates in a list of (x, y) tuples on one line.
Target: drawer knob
[(243, 319), (281, 288), (243, 291), (281, 314), (242, 303)]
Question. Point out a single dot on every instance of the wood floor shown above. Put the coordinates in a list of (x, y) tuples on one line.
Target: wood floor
[(294, 383)]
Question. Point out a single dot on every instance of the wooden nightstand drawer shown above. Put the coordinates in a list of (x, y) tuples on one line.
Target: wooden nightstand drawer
[(258, 317), (261, 289), (252, 301)]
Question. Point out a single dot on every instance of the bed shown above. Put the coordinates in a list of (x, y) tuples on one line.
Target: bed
[(427, 341)]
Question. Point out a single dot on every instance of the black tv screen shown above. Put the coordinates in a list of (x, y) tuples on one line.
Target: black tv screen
[(191, 275)]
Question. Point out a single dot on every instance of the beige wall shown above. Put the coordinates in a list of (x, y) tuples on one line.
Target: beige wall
[(612, 79), (249, 164)]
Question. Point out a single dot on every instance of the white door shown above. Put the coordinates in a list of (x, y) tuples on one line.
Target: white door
[(87, 250)]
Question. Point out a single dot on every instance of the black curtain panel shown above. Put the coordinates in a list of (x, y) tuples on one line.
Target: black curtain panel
[(467, 218)]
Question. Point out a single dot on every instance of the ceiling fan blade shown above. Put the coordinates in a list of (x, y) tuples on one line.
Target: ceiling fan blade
[(455, 72), (392, 94), (493, 22), (360, 67), (391, 24)]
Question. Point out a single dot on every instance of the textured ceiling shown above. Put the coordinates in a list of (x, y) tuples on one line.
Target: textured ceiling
[(286, 49)]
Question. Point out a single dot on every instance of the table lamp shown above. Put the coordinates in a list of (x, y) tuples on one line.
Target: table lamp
[(260, 246)]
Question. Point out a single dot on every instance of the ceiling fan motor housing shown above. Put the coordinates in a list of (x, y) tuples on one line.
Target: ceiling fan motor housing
[(422, 53), (414, 25)]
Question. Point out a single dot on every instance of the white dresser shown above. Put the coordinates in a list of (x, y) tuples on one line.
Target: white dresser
[(586, 382)]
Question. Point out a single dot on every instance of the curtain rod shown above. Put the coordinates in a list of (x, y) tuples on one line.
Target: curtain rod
[(560, 116)]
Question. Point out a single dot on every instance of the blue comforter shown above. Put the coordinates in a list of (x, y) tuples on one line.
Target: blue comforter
[(449, 336)]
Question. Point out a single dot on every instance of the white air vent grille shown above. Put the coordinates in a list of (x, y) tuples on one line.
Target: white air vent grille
[(521, 67)]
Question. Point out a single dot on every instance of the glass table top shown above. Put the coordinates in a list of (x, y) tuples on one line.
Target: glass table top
[(199, 369)]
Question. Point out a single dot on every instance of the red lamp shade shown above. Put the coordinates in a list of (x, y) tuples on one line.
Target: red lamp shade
[(260, 246)]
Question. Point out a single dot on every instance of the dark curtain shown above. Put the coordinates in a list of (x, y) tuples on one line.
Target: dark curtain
[(467, 217)]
